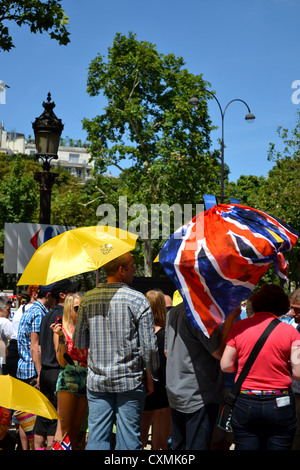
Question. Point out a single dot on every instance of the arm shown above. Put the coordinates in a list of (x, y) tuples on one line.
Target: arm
[(149, 382), (59, 342), (35, 351), (228, 360), (226, 330), (148, 342), (295, 361), (80, 335)]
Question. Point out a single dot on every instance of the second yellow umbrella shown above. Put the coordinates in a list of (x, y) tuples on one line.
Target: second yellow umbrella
[(18, 395)]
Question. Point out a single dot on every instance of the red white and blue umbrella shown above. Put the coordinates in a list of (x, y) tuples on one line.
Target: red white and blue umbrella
[(217, 258)]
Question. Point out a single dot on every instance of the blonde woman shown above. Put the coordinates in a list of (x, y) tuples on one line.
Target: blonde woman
[(71, 383), (157, 411)]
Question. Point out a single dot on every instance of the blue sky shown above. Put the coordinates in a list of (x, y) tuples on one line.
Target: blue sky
[(246, 49)]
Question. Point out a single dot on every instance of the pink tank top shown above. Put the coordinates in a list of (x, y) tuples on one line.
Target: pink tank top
[(76, 354)]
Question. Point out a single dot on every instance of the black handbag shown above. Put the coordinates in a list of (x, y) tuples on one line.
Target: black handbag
[(224, 419)]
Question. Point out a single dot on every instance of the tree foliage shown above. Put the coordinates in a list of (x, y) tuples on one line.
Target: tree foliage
[(148, 130), (19, 197), (246, 189), (39, 15), (279, 193)]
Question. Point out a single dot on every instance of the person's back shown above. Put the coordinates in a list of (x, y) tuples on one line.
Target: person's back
[(116, 323), (193, 377), (264, 415), (48, 354), (194, 381), (30, 322), (271, 368), (121, 345)]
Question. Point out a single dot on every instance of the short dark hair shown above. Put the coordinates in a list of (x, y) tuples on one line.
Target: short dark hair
[(271, 298)]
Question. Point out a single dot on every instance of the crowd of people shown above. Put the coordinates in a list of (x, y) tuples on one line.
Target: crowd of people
[(126, 370)]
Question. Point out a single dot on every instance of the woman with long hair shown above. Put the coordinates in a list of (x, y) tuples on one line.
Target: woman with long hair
[(157, 411), (71, 383)]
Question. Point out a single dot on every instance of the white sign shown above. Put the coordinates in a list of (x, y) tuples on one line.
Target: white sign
[(22, 240)]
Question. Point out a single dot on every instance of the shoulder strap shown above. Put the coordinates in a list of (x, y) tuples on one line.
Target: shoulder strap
[(252, 356)]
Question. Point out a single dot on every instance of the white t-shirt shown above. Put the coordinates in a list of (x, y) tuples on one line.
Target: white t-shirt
[(16, 319), (5, 329), (5, 336)]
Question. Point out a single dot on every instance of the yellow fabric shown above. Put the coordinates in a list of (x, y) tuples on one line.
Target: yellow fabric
[(76, 251), (177, 299), (17, 395)]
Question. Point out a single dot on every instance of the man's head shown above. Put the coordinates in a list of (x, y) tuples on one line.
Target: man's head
[(45, 297), (32, 291), (62, 288), (121, 269), (295, 305), (5, 306)]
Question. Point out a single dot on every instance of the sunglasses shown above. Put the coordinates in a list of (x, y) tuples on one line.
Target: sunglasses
[(76, 308)]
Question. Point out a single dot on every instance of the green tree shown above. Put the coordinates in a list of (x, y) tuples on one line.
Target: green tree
[(38, 15), (19, 199), (18, 190), (149, 126), (246, 189), (279, 195)]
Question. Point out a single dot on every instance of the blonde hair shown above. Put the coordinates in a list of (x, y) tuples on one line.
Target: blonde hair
[(158, 307), (68, 308)]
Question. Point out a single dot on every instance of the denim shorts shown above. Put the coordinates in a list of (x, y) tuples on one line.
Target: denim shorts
[(72, 379)]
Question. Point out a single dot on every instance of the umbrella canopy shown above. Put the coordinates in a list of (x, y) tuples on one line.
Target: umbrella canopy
[(17, 395), (76, 251), (216, 259)]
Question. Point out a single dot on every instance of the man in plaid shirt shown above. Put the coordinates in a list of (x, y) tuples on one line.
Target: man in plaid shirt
[(116, 323), (29, 364)]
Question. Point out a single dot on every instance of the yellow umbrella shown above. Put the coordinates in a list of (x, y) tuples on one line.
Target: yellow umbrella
[(76, 251), (18, 395)]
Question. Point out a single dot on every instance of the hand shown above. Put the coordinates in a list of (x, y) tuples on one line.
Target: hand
[(57, 329), (149, 383)]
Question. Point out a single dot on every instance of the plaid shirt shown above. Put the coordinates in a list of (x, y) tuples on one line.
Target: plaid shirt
[(30, 322), (116, 323)]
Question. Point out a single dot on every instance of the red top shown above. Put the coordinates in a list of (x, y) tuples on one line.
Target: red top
[(270, 370), (76, 354)]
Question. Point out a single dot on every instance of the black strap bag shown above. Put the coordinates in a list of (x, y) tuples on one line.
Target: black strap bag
[(224, 419)]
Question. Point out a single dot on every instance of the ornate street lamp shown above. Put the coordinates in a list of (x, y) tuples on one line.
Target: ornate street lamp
[(47, 130), (249, 117)]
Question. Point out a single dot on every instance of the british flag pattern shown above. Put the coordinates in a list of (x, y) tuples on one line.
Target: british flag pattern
[(217, 258)]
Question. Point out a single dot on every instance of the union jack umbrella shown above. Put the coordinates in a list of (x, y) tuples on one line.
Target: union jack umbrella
[(216, 259)]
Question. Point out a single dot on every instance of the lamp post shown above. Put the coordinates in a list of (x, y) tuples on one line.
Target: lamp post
[(249, 117), (47, 130)]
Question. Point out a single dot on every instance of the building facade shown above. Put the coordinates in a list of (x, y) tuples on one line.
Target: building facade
[(74, 159)]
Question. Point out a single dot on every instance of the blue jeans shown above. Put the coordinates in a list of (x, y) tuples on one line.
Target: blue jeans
[(258, 423), (124, 407)]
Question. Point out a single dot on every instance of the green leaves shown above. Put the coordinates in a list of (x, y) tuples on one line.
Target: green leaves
[(147, 114), (38, 15), (149, 125)]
